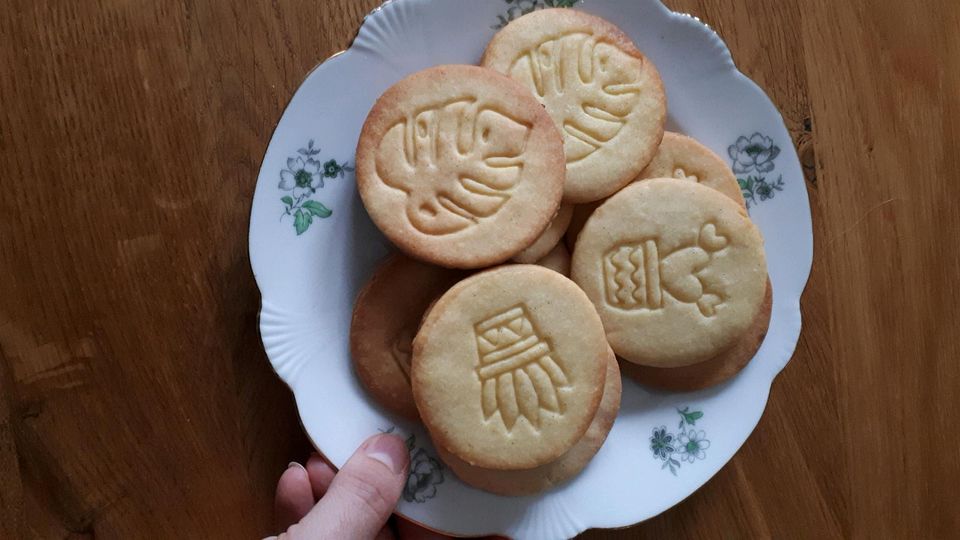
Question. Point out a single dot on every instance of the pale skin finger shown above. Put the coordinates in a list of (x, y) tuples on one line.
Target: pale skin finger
[(321, 475), (294, 497), (361, 496)]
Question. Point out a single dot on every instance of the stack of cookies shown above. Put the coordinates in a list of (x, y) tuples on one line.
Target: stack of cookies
[(548, 227)]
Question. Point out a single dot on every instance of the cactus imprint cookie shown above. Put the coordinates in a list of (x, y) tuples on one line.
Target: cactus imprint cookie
[(684, 158), (386, 316), (509, 367), (460, 166), (675, 269), (604, 94), (544, 477)]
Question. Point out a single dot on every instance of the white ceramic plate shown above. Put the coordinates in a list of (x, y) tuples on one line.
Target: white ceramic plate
[(312, 246)]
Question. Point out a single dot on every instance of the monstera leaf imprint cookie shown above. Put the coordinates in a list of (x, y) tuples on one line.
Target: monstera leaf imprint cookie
[(531, 481), (386, 316), (675, 269), (460, 166), (684, 158), (604, 94), (509, 367)]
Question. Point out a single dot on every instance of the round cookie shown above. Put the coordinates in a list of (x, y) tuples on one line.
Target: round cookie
[(557, 260), (544, 477), (604, 95), (713, 371), (550, 237), (508, 367), (684, 158), (460, 166), (386, 315), (675, 269)]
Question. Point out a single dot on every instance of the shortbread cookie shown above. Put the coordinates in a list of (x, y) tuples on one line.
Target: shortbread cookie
[(544, 477), (508, 367), (550, 237), (557, 260), (675, 270), (603, 93), (386, 315), (713, 371), (684, 158), (460, 166)]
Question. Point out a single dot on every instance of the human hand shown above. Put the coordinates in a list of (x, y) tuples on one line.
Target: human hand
[(314, 502)]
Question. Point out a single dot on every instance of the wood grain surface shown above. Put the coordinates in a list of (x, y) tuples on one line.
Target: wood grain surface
[(136, 399)]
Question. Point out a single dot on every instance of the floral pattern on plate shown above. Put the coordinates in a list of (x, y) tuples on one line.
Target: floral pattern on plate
[(302, 177), (687, 445), (755, 154), (426, 472)]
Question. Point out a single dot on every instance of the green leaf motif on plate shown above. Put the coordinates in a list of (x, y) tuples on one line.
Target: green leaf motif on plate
[(317, 209), (301, 222), (689, 417)]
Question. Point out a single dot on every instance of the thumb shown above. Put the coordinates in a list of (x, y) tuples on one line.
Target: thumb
[(362, 495)]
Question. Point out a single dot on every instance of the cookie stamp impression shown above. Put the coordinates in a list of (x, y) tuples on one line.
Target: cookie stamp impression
[(604, 94), (530, 481), (508, 367), (460, 166), (516, 369), (675, 269)]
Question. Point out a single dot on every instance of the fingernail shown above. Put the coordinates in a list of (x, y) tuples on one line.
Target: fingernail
[(389, 450), (293, 464)]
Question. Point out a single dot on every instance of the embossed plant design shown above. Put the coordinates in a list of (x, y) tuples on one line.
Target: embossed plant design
[(457, 163), (629, 267), (426, 473), (518, 373), (686, 445), (754, 157), (519, 8), (588, 86), (303, 175)]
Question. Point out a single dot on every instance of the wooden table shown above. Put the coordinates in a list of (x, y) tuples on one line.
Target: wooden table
[(135, 396)]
